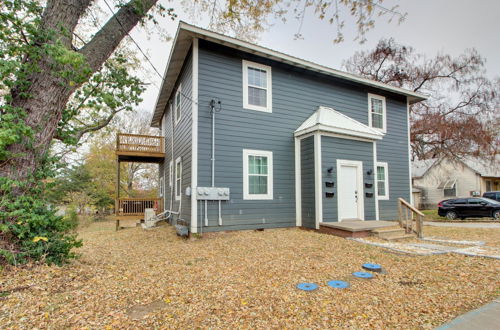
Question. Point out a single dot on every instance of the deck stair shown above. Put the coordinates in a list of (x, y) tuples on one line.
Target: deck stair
[(391, 233)]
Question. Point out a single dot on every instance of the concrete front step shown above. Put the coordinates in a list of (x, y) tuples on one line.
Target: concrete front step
[(399, 237), (392, 233)]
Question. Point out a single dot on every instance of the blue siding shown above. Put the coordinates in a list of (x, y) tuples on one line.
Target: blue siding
[(296, 95), (182, 143), (336, 148), (393, 149), (308, 183)]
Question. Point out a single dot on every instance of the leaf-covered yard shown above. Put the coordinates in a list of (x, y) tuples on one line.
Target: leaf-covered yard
[(243, 279)]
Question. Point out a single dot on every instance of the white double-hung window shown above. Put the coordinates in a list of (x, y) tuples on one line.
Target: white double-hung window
[(170, 173), (178, 179), (178, 104), (257, 91), (382, 180), (257, 174), (377, 112)]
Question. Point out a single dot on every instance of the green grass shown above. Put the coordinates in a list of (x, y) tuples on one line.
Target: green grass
[(432, 215)]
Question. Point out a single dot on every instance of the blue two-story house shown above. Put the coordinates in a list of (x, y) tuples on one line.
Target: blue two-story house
[(255, 138)]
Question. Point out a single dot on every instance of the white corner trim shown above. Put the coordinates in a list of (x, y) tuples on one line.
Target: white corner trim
[(386, 180), (384, 112), (375, 186), (194, 138), (178, 194), (269, 92), (318, 189), (298, 184), (361, 192), (246, 193), (409, 149)]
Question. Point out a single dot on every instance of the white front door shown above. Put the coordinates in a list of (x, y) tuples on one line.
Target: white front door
[(350, 190)]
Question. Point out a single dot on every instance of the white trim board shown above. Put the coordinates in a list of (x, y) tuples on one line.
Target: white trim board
[(298, 183), (318, 187), (375, 187), (194, 139), (409, 150)]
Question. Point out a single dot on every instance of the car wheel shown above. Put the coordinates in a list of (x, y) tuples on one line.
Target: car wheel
[(451, 215), (496, 215)]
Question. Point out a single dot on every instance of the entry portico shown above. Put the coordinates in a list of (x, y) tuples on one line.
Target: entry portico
[(341, 152)]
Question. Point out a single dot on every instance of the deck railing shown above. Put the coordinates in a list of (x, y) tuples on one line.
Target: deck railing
[(136, 206), (139, 143), (411, 219)]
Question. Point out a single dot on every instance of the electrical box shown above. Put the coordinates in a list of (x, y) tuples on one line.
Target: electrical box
[(212, 193)]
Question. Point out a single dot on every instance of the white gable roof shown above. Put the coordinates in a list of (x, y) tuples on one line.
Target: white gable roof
[(328, 120)]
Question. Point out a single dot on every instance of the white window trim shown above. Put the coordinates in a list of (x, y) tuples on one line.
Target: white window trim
[(161, 186), (178, 194), (269, 93), (386, 181), (269, 155), (170, 173), (384, 112), (178, 92)]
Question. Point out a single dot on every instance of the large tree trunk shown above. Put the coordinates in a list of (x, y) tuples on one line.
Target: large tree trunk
[(48, 94)]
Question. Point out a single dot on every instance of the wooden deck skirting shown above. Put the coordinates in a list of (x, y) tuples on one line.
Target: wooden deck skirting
[(137, 206), (137, 143)]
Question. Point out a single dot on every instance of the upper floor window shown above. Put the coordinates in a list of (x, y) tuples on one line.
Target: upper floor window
[(177, 105), (377, 112), (257, 174), (382, 181), (257, 94)]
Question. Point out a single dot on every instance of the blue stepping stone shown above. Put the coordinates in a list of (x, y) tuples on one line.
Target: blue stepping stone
[(338, 284), (364, 275), (307, 286), (372, 267)]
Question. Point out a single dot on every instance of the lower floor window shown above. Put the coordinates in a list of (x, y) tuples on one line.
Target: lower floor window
[(178, 178), (449, 187), (382, 181), (257, 174)]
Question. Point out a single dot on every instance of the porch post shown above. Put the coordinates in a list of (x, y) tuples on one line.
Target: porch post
[(298, 184), (318, 195)]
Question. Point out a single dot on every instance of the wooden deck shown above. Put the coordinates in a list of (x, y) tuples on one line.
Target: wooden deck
[(130, 211), (140, 148)]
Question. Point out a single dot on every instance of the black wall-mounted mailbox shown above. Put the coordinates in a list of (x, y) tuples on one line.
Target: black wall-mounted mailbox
[(368, 185), (369, 194), (329, 194), (330, 184)]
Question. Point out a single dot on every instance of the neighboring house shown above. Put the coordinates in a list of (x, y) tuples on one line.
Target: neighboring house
[(438, 179), (294, 143)]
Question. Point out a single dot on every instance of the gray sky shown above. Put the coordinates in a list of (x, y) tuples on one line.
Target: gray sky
[(431, 27)]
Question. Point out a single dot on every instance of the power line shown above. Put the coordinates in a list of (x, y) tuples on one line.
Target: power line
[(144, 54)]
